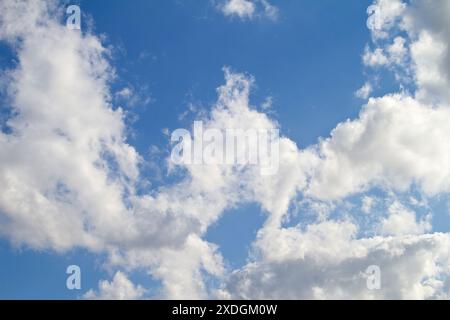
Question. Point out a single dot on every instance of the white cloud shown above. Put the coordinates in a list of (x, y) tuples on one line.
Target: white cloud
[(426, 25), (383, 16), (55, 182), (241, 8), (249, 9), (365, 91), (125, 93), (375, 58), (431, 60), (68, 174), (327, 262), (397, 142), (181, 269), (120, 288), (402, 221), (397, 51), (367, 204), (270, 10)]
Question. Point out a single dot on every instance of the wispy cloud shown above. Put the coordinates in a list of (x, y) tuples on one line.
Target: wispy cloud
[(249, 9)]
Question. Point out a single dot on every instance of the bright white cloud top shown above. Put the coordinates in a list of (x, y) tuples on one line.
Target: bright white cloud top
[(69, 177)]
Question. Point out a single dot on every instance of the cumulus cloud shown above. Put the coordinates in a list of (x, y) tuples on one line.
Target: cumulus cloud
[(55, 178), (68, 175), (241, 8), (424, 48), (327, 262), (384, 15), (397, 51), (120, 288), (402, 221), (249, 9), (407, 152), (396, 143), (375, 58)]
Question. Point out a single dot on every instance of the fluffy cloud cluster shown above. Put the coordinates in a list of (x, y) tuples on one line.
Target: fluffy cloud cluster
[(398, 142), (69, 177), (411, 38), (327, 262), (65, 138), (120, 288), (249, 9)]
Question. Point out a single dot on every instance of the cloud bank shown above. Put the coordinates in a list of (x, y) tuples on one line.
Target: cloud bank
[(69, 178)]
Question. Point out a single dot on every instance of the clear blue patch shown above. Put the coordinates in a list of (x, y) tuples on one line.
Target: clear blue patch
[(29, 274), (235, 232)]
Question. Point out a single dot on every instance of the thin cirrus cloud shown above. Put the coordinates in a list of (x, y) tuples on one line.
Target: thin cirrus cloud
[(69, 178)]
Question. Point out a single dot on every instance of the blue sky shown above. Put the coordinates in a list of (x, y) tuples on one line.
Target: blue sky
[(171, 55), (185, 44), (174, 52)]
